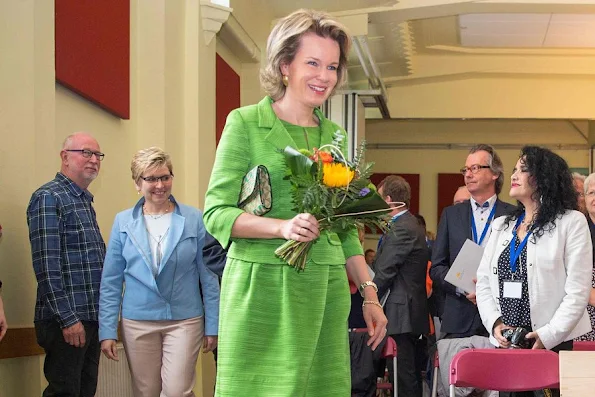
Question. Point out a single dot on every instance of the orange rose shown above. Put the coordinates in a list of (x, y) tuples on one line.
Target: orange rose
[(326, 157)]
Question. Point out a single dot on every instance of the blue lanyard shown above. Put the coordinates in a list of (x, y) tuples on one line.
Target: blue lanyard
[(515, 252), (485, 228)]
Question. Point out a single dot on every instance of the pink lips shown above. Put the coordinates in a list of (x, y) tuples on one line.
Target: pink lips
[(320, 90)]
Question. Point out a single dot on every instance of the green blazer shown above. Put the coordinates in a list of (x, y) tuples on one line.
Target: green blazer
[(253, 135)]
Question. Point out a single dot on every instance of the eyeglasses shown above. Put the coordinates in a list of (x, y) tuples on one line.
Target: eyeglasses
[(590, 193), (154, 179), (474, 168), (87, 153)]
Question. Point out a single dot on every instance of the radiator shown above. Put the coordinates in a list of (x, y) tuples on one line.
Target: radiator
[(114, 376)]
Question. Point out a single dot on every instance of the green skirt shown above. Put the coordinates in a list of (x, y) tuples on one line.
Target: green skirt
[(283, 333)]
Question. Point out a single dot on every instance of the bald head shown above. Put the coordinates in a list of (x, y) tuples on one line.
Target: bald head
[(81, 169), (461, 195), (73, 139)]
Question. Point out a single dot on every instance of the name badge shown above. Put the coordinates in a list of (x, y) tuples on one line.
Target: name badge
[(513, 289)]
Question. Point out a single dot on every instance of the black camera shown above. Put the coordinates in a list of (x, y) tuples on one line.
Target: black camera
[(516, 337)]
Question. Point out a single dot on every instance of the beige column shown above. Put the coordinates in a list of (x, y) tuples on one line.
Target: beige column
[(148, 72), (199, 130), (27, 138), (173, 74)]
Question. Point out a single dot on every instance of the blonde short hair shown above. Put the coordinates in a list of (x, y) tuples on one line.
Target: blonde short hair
[(284, 42), (145, 159)]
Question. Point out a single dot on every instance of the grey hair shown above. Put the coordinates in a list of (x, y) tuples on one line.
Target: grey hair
[(580, 177), (494, 162), (68, 140), (588, 181)]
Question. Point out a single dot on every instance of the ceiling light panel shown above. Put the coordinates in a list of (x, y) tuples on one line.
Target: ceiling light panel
[(527, 30)]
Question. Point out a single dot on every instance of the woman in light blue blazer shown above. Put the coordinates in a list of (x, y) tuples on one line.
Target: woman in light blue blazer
[(155, 251)]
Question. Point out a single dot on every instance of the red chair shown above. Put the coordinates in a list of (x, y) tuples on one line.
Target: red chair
[(504, 369), (435, 374), (390, 351), (583, 346)]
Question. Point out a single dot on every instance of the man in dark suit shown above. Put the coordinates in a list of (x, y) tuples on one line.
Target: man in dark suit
[(471, 219), (401, 265), (214, 255)]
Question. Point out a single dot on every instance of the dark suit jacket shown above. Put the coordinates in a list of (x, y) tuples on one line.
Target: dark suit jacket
[(460, 316), (401, 265), (213, 255)]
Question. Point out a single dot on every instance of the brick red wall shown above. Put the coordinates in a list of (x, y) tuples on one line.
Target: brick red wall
[(93, 51), (228, 93), (447, 186)]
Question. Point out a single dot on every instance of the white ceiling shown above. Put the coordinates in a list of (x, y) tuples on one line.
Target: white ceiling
[(284, 7), (527, 30)]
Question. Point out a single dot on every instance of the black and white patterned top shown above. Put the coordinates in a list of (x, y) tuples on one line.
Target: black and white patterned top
[(515, 312), (590, 336)]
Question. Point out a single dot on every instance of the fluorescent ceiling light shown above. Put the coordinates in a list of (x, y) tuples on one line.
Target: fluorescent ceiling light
[(527, 30)]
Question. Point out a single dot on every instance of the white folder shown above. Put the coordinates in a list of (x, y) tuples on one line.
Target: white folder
[(464, 268)]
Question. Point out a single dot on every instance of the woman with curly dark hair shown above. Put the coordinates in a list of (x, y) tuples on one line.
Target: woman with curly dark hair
[(535, 271)]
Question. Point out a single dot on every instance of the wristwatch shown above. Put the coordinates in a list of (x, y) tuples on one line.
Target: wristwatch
[(365, 284)]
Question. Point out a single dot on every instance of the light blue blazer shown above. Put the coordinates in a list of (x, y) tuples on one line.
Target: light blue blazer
[(174, 293)]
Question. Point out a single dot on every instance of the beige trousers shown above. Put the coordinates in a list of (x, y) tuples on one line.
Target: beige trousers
[(162, 355)]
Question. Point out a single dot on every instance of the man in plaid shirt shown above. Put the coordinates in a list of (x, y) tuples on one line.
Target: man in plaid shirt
[(68, 253)]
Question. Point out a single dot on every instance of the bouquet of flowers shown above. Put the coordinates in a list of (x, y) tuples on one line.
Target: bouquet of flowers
[(338, 193)]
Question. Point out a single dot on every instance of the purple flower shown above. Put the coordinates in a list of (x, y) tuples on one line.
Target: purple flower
[(364, 192)]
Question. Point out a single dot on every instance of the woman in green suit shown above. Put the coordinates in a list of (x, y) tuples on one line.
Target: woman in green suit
[(284, 333)]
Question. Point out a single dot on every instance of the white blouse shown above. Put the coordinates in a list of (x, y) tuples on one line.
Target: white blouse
[(158, 231)]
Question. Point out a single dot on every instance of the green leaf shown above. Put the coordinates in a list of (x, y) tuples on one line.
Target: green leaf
[(298, 163), (371, 202)]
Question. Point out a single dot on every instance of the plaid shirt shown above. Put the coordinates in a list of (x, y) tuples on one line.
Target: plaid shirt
[(67, 250)]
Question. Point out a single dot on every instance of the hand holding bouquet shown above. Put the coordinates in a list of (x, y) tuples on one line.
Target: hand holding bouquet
[(338, 193)]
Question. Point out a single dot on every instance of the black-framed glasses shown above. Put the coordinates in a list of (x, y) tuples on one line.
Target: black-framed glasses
[(87, 153), (474, 168), (154, 179)]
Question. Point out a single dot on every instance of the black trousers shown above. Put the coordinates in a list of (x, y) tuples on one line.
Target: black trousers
[(364, 364), (409, 380), (70, 371), (545, 392)]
